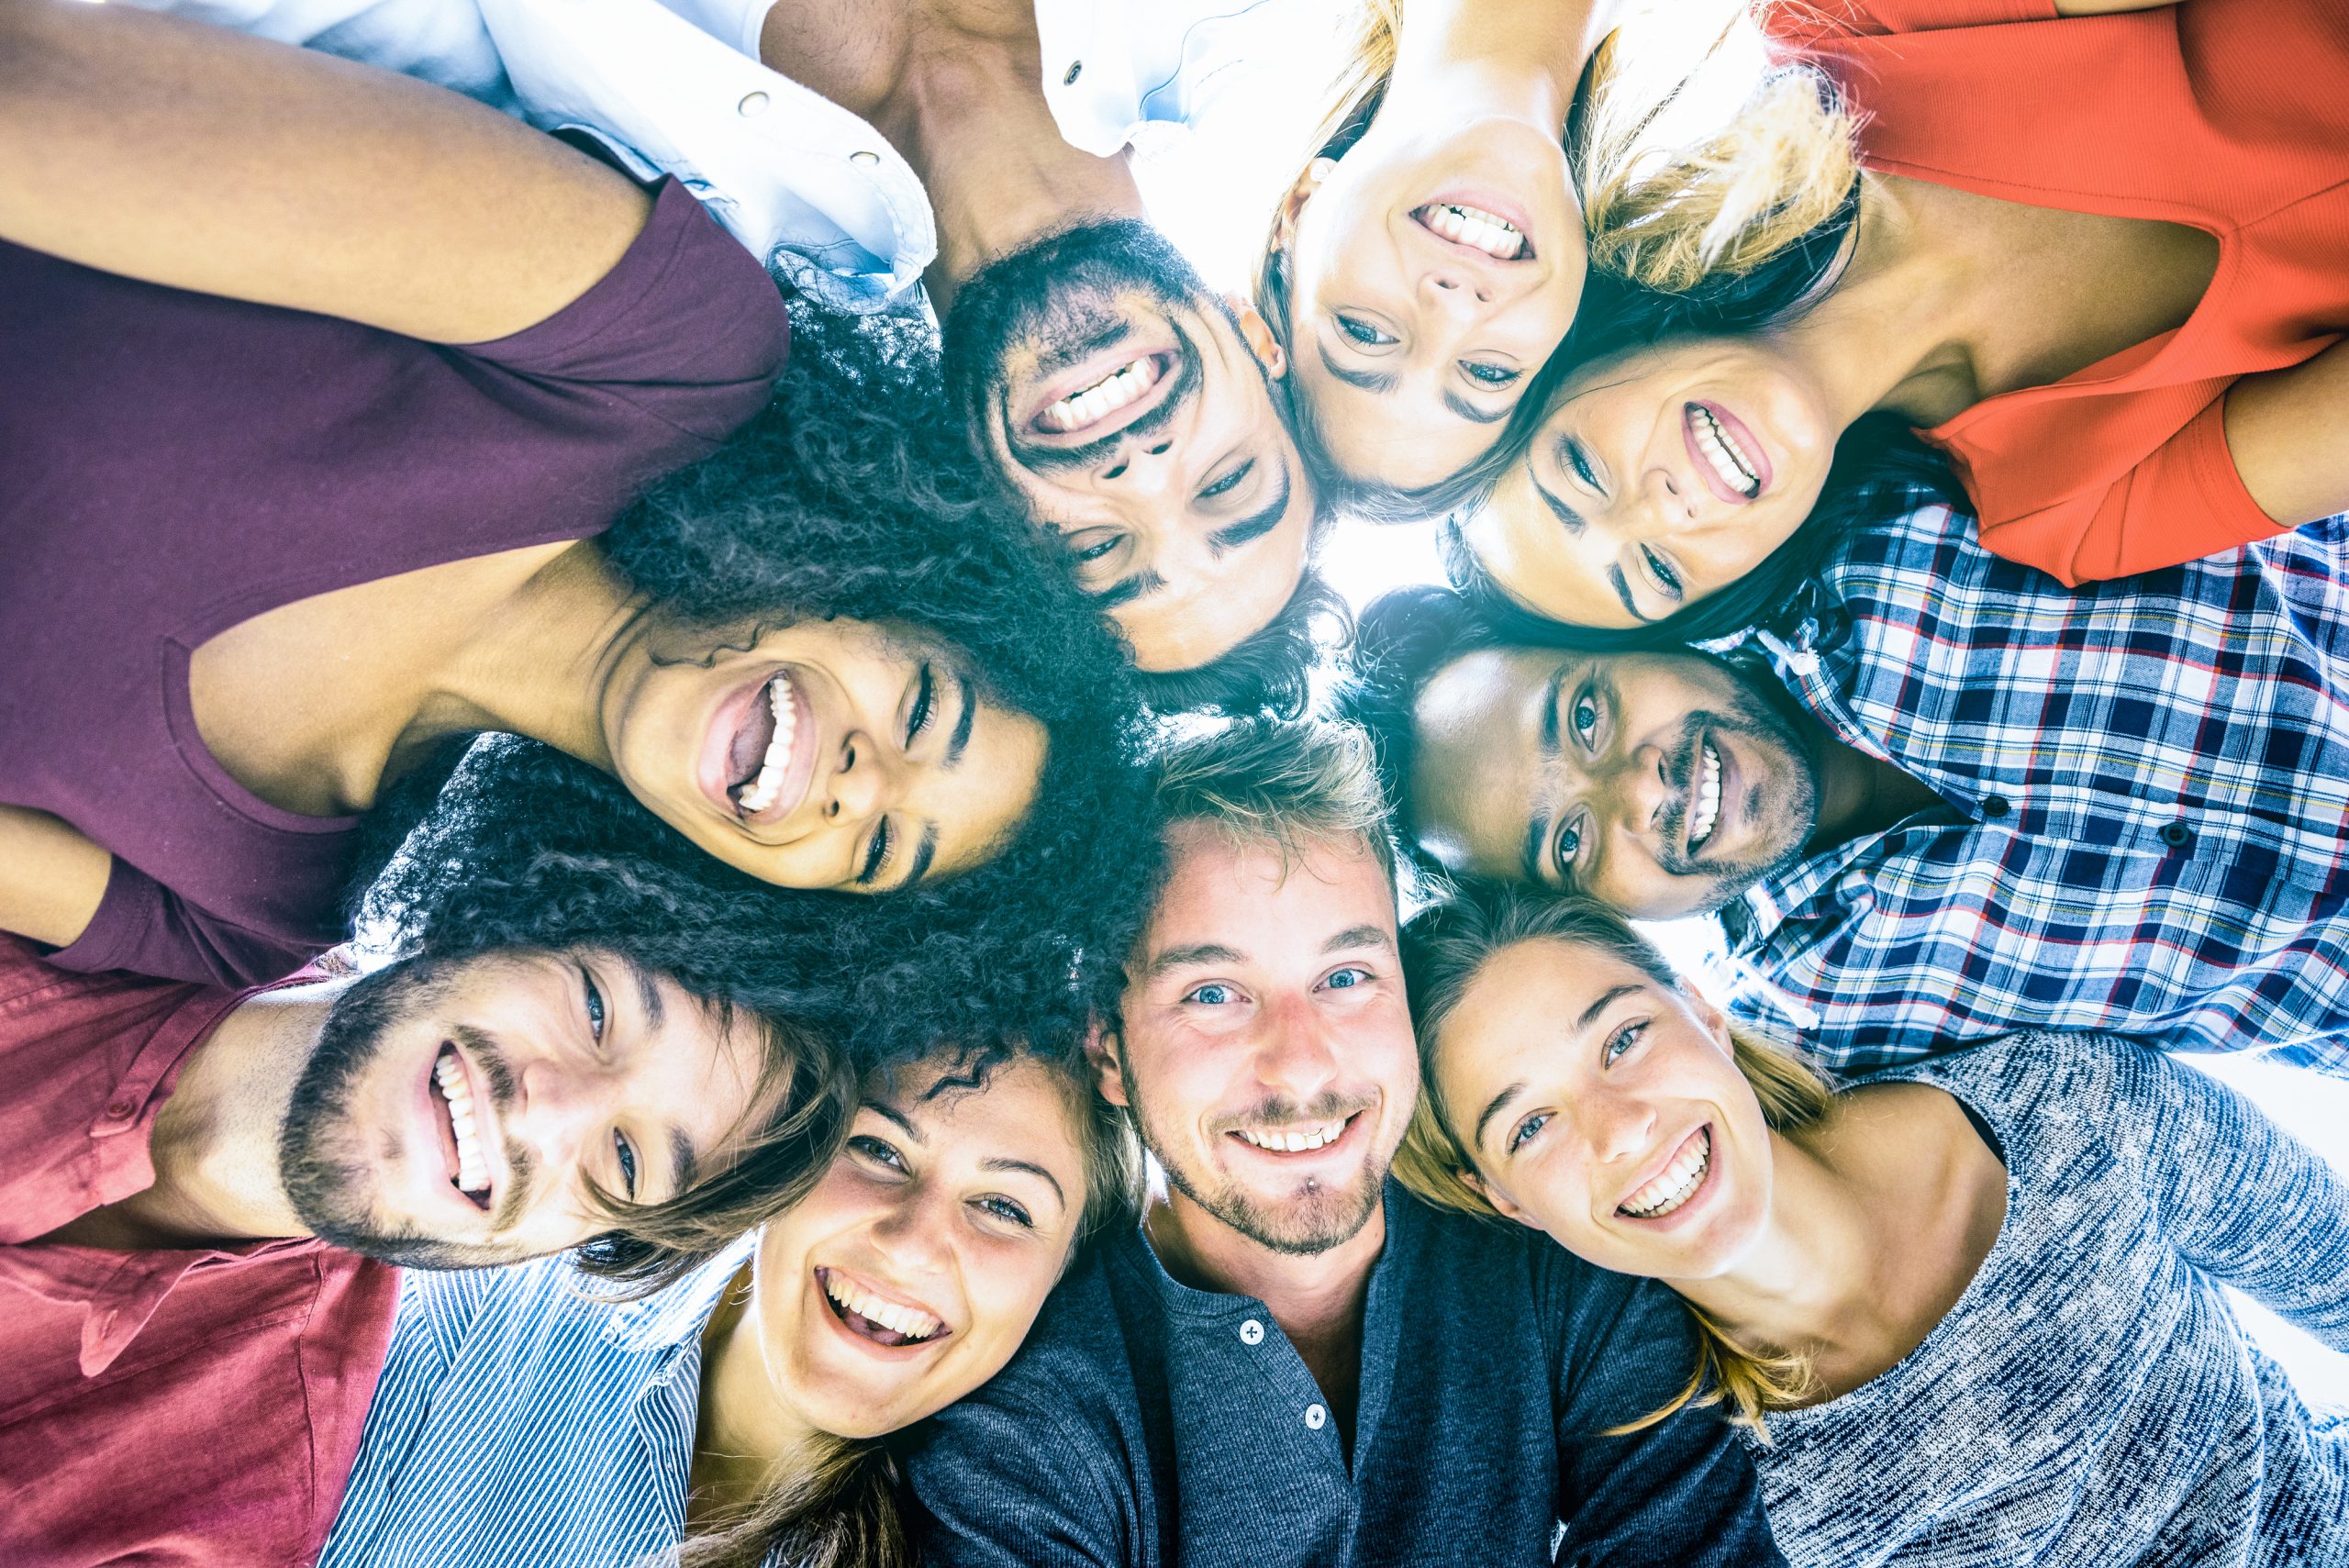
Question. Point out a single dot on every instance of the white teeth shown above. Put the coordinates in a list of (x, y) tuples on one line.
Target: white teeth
[(1296, 1142), (761, 791), (473, 1170), (1736, 468), (905, 1321), (1708, 807), (1488, 232), (1104, 397), (1677, 1185)]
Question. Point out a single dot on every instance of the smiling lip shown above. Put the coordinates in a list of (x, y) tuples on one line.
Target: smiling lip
[(440, 1111), (1693, 437), (726, 722), (1099, 372), (1683, 1147), (1507, 208), (1304, 1130), (861, 1330)]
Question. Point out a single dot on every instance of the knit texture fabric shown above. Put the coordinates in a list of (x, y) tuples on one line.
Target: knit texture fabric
[(2091, 1400)]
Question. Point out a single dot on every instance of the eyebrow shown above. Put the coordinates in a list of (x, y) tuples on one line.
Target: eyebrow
[(1369, 381), (1493, 1108), (1119, 595), (1358, 937), (648, 993), (882, 1108), (956, 743), (1470, 413), (1589, 1017), (1247, 530), (1624, 591), (685, 1165), (998, 1162), (1197, 952), (1567, 516), (924, 853)]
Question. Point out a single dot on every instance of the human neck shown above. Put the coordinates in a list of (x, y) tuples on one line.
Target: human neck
[(1450, 52), (215, 1142), (1316, 1298), (744, 1432), (969, 114), (1859, 794), (537, 666)]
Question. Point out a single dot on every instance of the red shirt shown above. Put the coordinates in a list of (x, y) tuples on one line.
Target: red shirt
[(180, 1407), (2232, 116)]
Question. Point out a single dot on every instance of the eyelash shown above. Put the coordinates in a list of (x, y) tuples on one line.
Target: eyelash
[(1351, 969), (873, 1147), (1003, 1208), (628, 1164), (1490, 376), (876, 854), (1623, 1039), (1364, 333), (1561, 855), (1229, 483), (1193, 994), (1572, 450), (925, 705), (595, 1004), (1664, 573), (1525, 1130)]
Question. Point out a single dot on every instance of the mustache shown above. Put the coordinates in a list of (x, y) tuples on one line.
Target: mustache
[(521, 1170), (1280, 1110), (1059, 460)]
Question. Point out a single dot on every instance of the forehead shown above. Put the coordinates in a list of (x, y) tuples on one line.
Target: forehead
[(1198, 619), (983, 799), (1020, 1103), (1248, 893)]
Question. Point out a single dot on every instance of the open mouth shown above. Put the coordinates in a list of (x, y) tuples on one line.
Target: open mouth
[(876, 1318), (1679, 1182), (1477, 229), (1097, 401), (1296, 1140), (1705, 807), (1729, 458), (453, 1095), (770, 757)]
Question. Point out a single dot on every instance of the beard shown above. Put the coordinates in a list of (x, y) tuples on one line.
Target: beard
[(1790, 820), (321, 1144), (1056, 297), (1312, 1219)]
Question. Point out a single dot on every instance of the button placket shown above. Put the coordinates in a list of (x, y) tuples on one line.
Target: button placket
[(1252, 1332)]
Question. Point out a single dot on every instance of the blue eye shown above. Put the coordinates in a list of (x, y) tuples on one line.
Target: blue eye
[(628, 1164), (1623, 1039), (1211, 995), (1362, 332), (1347, 979), (1490, 376), (1005, 1209), (1525, 1130)]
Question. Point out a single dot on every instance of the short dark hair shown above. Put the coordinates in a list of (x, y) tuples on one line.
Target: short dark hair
[(1403, 639), (1269, 672)]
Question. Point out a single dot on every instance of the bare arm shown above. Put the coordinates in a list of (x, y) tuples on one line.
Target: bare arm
[(201, 159), (52, 878), (2284, 428)]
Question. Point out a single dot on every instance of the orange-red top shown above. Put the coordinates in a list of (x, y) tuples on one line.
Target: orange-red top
[(2232, 116)]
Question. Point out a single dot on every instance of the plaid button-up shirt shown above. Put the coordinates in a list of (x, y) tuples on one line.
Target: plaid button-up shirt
[(2145, 788)]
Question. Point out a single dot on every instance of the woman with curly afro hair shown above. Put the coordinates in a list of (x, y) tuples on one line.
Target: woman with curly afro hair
[(359, 505)]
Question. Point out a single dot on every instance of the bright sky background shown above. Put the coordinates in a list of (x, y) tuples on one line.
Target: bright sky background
[(1213, 192)]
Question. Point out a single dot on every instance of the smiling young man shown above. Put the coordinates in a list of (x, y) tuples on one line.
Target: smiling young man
[(207, 1187), (1939, 798), (1291, 1360), (978, 147)]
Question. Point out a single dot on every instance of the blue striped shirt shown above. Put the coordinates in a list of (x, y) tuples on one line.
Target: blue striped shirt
[(2146, 789), (521, 1421)]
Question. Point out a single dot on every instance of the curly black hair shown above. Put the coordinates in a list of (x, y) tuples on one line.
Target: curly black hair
[(852, 496), (1406, 636)]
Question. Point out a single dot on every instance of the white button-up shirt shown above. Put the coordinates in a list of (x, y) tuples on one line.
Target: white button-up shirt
[(675, 88)]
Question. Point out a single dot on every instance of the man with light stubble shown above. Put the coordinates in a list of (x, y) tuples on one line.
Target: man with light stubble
[(1291, 1360)]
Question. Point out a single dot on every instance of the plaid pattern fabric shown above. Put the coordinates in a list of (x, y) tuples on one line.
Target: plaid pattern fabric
[(2148, 793)]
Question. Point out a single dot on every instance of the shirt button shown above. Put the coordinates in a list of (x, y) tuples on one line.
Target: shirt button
[(866, 158), (1252, 1332), (1075, 70), (2176, 835), (1316, 1417), (121, 1109), (753, 103), (1995, 806)]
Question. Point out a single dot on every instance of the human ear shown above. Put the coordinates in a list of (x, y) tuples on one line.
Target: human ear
[(1257, 333), (1103, 1051), (1504, 1204), (1292, 206), (1709, 1018)]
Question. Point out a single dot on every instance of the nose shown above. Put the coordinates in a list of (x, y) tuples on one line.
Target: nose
[(1643, 788), (1667, 501), (911, 1235), (561, 1108), (865, 780), (1616, 1127), (1142, 465), (1453, 288), (1296, 1054)]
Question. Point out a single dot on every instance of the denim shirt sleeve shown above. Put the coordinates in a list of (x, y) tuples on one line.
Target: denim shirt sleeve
[(1677, 1492)]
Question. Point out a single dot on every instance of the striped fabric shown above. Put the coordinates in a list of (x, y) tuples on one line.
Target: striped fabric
[(2148, 793), (2091, 1401), (519, 1422)]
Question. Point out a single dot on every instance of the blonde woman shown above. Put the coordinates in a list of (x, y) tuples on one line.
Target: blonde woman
[(1432, 253), (1968, 1310), (733, 1418)]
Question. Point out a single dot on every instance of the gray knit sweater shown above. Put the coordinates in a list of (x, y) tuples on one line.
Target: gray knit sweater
[(2091, 1400)]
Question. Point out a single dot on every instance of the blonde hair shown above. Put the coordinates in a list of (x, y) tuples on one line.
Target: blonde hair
[(1289, 783), (1660, 212), (1444, 948)]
